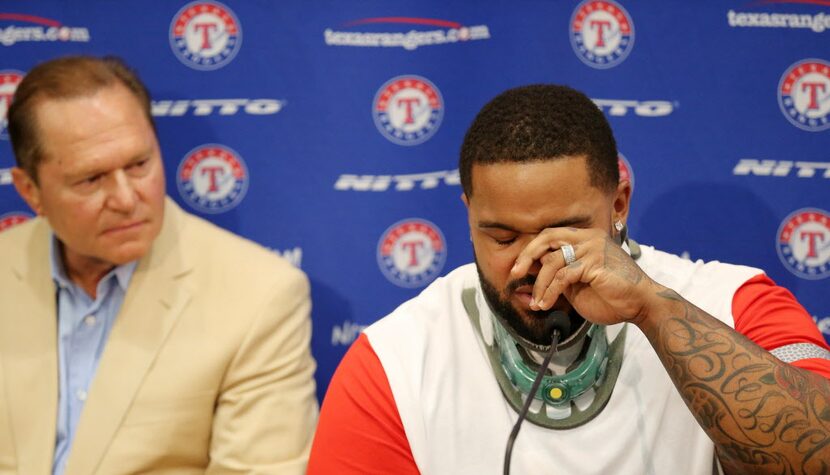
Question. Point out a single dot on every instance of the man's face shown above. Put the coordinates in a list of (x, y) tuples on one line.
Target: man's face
[(510, 204), (101, 183)]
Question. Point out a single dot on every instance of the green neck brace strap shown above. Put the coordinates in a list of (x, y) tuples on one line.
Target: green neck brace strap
[(597, 371)]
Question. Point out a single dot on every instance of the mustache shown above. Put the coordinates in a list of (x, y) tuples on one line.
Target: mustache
[(515, 284), (526, 280)]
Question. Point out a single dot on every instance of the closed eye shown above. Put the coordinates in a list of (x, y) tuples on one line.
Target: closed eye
[(90, 180), (138, 168), (139, 163)]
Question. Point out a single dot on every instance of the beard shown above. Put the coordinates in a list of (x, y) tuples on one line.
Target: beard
[(532, 325)]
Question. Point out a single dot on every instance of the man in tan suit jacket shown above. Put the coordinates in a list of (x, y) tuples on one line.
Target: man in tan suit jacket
[(206, 368)]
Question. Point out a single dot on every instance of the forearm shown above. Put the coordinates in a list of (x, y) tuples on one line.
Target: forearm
[(763, 415), (266, 412)]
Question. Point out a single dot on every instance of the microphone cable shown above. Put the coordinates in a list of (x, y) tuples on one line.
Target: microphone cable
[(535, 387)]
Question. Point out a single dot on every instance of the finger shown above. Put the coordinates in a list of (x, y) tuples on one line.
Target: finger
[(547, 240), (551, 263), (564, 278)]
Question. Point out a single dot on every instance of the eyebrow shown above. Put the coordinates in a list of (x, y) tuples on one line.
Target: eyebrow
[(563, 223)]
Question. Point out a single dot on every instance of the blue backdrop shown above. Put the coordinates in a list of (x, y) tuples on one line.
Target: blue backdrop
[(329, 131)]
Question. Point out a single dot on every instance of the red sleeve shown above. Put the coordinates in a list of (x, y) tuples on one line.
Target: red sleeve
[(770, 316), (360, 430)]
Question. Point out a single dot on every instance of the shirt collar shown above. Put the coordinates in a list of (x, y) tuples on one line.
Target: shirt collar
[(123, 273)]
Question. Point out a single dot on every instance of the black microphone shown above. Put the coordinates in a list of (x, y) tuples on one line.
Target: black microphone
[(558, 321), (557, 324)]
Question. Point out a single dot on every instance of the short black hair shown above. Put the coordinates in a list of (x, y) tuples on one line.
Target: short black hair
[(541, 122)]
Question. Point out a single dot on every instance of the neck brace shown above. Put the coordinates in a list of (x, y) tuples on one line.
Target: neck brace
[(563, 401)]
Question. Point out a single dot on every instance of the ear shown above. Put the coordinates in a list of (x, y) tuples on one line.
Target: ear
[(466, 202), (27, 189), (622, 200)]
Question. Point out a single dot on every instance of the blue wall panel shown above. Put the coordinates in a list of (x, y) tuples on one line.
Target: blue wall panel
[(698, 94)]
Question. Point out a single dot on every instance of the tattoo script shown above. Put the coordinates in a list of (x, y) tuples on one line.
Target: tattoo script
[(764, 416)]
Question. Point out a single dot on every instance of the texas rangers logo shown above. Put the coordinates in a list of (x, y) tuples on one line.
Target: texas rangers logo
[(205, 35), (212, 178), (602, 33), (11, 219), (8, 84), (804, 94), (804, 243), (412, 252), (626, 172), (408, 110)]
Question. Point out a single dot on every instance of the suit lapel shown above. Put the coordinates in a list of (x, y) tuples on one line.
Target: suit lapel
[(28, 341), (155, 298)]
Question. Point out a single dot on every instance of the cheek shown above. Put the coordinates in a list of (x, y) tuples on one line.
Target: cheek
[(86, 211), (152, 187), (496, 261), (503, 259), (66, 206)]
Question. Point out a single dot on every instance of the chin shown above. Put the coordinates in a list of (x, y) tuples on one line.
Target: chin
[(127, 253), (131, 249)]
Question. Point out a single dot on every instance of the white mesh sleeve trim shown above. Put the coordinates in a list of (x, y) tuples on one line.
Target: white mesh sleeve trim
[(800, 351)]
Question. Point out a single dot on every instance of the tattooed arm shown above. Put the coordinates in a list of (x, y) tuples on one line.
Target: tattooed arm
[(763, 415)]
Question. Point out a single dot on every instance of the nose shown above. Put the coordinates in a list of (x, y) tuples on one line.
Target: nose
[(121, 196)]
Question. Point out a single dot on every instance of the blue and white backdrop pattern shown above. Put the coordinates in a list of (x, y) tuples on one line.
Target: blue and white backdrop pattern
[(329, 131)]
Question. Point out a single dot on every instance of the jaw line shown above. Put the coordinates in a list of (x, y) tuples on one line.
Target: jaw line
[(577, 336), (500, 320)]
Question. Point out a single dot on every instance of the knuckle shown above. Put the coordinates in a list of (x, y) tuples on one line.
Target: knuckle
[(548, 258)]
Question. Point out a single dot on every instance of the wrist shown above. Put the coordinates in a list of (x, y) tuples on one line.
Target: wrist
[(658, 303)]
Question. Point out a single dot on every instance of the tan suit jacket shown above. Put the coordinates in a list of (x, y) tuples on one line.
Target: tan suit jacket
[(207, 368)]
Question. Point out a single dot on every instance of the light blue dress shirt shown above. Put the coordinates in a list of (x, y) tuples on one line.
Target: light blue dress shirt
[(84, 325)]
